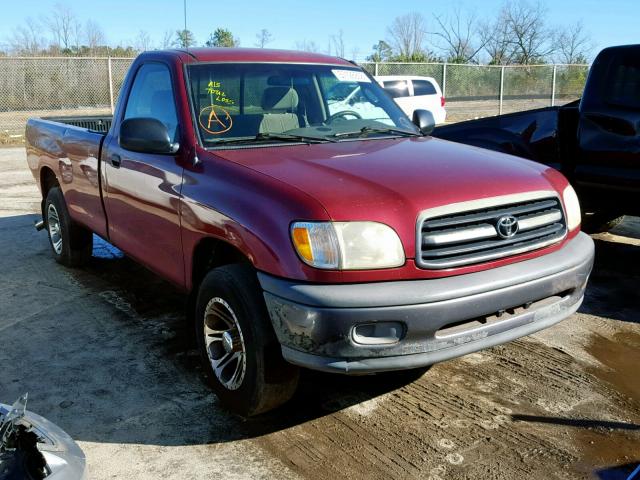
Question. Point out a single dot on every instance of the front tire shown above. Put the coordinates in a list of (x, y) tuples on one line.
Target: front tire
[(71, 244), (240, 352)]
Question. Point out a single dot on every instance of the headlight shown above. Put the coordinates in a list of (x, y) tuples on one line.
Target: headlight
[(347, 245), (572, 206)]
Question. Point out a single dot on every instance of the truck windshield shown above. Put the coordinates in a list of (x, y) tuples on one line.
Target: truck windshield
[(257, 102)]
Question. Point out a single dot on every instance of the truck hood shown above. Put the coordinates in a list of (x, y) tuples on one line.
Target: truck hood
[(391, 180)]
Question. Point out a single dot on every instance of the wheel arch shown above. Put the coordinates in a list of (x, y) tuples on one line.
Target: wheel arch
[(210, 253), (48, 180)]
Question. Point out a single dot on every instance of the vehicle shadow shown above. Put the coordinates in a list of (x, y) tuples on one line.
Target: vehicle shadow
[(106, 352), (613, 286)]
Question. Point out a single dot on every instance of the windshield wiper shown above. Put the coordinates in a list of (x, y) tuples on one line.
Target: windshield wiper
[(364, 131), (282, 137)]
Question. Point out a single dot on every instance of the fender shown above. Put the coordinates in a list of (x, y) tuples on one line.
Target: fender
[(252, 214)]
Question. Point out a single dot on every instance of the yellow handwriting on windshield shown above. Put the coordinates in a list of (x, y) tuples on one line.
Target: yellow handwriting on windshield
[(217, 94)]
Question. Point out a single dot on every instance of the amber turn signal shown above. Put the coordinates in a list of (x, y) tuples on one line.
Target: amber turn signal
[(302, 243)]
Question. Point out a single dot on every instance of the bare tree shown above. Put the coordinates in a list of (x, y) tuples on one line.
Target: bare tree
[(142, 42), (519, 35), (61, 23), (460, 34), (263, 37), (307, 46), (407, 34), (338, 44), (355, 53), (94, 36), (529, 36), (496, 39), (27, 39), (573, 44), (77, 34), (167, 39)]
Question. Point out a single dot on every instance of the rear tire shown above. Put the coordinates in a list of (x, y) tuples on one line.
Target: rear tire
[(70, 243), (240, 352)]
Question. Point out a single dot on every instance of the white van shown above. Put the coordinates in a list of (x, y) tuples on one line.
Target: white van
[(414, 93)]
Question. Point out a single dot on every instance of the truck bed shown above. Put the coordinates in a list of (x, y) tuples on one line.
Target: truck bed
[(93, 123), (69, 149), (545, 135)]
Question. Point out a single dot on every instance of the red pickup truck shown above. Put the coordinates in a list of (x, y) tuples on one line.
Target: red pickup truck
[(306, 232)]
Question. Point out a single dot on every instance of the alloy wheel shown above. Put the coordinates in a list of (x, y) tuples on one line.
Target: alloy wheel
[(55, 230), (224, 343)]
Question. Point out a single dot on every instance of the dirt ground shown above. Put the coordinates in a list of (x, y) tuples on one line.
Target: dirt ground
[(104, 352)]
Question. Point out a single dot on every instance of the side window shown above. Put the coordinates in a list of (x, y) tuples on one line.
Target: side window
[(152, 97), (423, 87), (624, 82), (396, 88)]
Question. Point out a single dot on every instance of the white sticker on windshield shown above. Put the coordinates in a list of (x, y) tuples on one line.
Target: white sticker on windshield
[(351, 76)]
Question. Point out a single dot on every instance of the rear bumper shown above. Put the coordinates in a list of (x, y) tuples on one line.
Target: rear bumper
[(439, 319)]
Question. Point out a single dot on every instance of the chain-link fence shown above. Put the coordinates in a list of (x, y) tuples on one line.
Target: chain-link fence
[(90, 86), (474, 91), (56, 86)]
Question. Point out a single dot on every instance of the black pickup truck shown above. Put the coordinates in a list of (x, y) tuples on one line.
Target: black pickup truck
[(594, 142)]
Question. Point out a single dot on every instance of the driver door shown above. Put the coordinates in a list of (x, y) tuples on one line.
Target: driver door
[(143, 190)]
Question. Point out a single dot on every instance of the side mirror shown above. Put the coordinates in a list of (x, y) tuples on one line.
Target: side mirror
[(146, 135), (424, 120)]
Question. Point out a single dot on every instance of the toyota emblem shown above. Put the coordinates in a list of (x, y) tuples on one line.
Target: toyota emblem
[(507, 226)]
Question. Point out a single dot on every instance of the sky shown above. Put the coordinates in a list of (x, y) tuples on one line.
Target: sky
[(363, 23)]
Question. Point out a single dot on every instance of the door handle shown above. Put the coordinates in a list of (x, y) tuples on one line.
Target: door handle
[(115, 160)]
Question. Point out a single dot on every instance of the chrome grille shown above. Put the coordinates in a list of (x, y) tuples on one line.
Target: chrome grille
[(484, 230)]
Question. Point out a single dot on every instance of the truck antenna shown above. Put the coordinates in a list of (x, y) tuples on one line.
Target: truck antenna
[(186, 43)]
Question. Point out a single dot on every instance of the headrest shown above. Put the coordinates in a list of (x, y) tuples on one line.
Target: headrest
[(281, 99)]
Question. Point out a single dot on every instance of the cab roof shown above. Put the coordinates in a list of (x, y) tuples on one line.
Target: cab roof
[(260, 55)]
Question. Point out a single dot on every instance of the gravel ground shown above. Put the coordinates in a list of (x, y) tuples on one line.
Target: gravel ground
[(104, 352)]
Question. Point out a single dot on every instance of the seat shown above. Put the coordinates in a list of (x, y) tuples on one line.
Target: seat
[(279, 105)]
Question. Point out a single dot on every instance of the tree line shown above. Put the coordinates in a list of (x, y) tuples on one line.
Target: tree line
[(519, 33), (61, 33)]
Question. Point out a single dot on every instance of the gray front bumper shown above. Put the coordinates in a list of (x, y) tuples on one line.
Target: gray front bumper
[(314, 323)]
